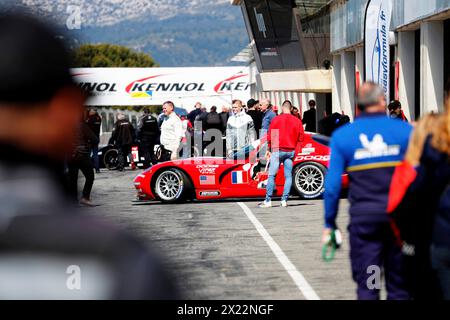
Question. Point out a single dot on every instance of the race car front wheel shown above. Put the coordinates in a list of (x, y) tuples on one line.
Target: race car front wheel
[(170, 186), (309, 180)]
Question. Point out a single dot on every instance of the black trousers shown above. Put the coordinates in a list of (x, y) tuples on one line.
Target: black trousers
[(147, 147), (124, 153), (83, 163)]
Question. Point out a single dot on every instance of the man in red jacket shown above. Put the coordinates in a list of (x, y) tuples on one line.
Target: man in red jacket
[(284, 140)]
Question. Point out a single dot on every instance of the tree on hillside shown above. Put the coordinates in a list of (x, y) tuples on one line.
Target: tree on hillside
[(107, 55)]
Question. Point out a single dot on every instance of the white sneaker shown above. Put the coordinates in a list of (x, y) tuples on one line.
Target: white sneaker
[(284, 203), (266, 204)]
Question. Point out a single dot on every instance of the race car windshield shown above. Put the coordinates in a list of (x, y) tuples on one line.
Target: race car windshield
[(244, 153)]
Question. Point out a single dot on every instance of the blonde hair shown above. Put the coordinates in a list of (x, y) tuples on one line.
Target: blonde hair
[(441, 136), (436, 125), (417, 141)]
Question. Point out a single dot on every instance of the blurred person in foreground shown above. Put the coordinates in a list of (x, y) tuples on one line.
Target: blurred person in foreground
[(369, 150), (94, 122), (419, 201), (40, 231), (123, 136), (284, 142)]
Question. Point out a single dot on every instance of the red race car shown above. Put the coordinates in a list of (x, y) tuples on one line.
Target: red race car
[(212, 178)]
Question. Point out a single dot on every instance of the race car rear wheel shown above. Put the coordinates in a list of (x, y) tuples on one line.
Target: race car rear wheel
[(170, 186), (309, 180)]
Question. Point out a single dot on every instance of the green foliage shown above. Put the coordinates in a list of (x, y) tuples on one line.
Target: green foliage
[(107, 55)]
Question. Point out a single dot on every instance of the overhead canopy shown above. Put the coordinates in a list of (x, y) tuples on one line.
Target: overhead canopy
[(318, 81)]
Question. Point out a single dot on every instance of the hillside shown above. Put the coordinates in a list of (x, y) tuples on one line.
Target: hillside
[(174, 32)]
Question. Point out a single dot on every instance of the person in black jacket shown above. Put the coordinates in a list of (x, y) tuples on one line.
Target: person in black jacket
[(194, 113), (80, 160), (256, 114), (310, 117), (224, 115), (94, 122), (40, 228), (122, 137), (148, 133), (213, 120)]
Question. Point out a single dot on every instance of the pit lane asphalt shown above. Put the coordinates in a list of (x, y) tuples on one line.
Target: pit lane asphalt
[(214, 250)]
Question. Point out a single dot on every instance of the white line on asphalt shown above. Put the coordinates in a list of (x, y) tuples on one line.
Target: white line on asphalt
[(307, 291)]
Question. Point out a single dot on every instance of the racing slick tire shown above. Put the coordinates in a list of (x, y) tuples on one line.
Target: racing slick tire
[(172, 186), (309, 180)]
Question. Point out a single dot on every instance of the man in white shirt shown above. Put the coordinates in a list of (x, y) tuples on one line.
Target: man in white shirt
[(171, 130)]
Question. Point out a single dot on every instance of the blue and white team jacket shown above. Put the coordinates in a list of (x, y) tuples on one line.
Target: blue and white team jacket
[(368, 150)]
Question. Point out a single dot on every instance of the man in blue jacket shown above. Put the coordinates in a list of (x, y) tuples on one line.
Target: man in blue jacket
[(268, 116), (368, 150)]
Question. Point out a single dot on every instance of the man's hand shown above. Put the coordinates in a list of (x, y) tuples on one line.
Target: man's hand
[(326, 235), (268, 155)]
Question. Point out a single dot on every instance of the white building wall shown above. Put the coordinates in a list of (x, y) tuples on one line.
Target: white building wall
[(431, 67), (406, 57), (336, 84), (348, 83), (359, 63), (295, 99)]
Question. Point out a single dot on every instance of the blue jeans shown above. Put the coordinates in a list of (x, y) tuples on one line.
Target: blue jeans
[(276, 159)]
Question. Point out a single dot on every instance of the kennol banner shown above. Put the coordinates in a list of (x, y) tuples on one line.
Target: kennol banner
[(154, 86), (376, 42)]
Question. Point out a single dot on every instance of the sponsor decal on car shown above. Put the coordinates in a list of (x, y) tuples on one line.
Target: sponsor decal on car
[(307, 151), (312, 158), (239, 177), (207, 169), (207, 180), (209, 193)]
